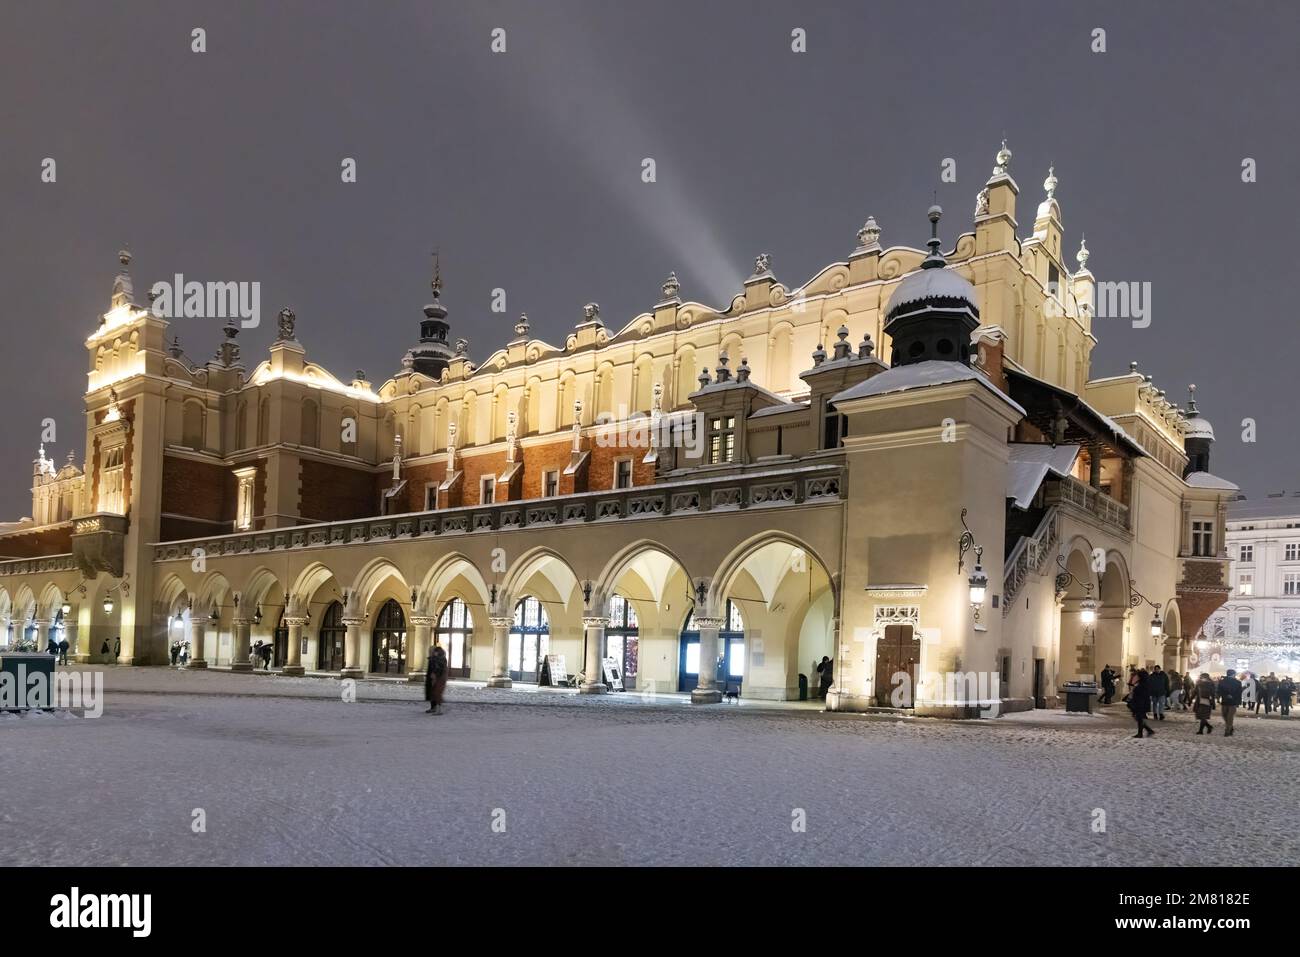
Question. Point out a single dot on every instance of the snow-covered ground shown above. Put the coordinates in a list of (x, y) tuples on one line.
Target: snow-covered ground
[(285, 772)]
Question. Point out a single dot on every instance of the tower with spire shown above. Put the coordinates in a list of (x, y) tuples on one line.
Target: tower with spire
[(1197, 437), (431, 355)]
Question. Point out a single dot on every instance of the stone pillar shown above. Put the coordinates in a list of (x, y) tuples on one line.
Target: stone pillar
[(197, 661), (294, 665), (239, 648), (418, 660), (1094, 465), (500, 653), (707, 690), (352, 649), (595, 628)]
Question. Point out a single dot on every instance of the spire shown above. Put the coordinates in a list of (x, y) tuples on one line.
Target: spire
[(935, 260), (1049, 184), (1083, 254), (431, 355), (670, 287), (522, 326), (1003, 165), (123, 288), (869, 235), (1191, 400)]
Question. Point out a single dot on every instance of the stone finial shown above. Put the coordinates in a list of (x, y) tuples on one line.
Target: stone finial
[(703, 378), (743, 371), (408, 361), (359, 376), (842, 349), (462, 347), (1191, 399), (175, 349), (866, 347), (819, 355), (670, 286), (723, 373), (1049, 184), (869, 234), (286, 322), (123, 288), (1083, 254), (1132, 368), (124, 257), (982, 202), (762, 264), (1003, 161), (591, 312), (522, 326), (657, 397)]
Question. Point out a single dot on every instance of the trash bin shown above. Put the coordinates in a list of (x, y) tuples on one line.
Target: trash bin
[(16, 692), (1079, 695), (803, 687)]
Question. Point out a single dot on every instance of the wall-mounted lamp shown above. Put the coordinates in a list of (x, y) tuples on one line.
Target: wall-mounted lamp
[(978, 581), (1088, 604), (1136, 598)]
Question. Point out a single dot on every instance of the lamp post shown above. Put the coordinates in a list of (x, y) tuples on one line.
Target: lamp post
[(978, 582)]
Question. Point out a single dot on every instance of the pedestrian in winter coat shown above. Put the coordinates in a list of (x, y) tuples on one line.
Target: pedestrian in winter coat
[(104, 651), (63, 653), (1285, 689), (1107, 685), (1189, 690), (1158, 689), (435, 679), (176, 652), (1204, 703), (117, 647), (1249, 690), (1270, 693), (1139, 700), (1175, 682), (1229, 700), (824, 677)]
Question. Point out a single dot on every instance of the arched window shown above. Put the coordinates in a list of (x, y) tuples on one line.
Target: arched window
[(388, 641), (730, 668), (500, 412), (530, 639), (622, 638), (241, 425), (264, 422), (413, 441), (455, 632), (310, 436), (192, 425), (467, 428), (333, 633)]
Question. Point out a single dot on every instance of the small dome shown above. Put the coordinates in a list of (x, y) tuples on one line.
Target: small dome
[(931, 284), (1198, 428)]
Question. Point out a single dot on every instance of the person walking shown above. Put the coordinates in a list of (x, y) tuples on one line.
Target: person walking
[(1175, 682), (176, 652), (1203, 703), (1285, 689), (824, 677), (435, 678), (1107, 685), (1249, 690), (1229, 700), (1189, 690), (1270, 692), (1139, 700), (117, 647), (63, 652), (1158, 690)]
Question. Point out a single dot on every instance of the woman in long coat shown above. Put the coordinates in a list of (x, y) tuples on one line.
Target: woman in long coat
[(1204, 703), (435, 678), (1139, 701)]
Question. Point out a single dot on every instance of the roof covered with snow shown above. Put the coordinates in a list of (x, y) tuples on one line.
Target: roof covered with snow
[(1279, 506), (931, 284), (1031, 462), (1206, 480), (1198, 428), (921, 375)]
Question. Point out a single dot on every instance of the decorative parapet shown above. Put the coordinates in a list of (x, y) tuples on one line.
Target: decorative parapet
[(1082, 498), (814, 485), (45, 564), (98, 543)]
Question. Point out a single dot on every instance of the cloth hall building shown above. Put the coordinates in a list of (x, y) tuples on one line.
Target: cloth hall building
[(905, 464)]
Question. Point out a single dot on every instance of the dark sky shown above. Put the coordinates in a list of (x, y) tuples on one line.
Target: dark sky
[(524, 168)]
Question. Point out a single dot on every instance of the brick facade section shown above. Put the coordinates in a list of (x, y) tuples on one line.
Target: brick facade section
[(331, 493), (55, 540), (600, 475), (201, 491)]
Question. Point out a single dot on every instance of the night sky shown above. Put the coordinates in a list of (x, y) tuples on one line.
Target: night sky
[(524, 169)]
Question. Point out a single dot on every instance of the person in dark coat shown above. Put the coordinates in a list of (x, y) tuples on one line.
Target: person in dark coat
[(63, 653), (52, 647), (1157, 690), (824, 676), (435, 678), (267, 651), (1203, 703), (1107, 685), (117, 647), (1189, 690), (104, 651), (1229, 700), (1285, 691), (1139, 700)]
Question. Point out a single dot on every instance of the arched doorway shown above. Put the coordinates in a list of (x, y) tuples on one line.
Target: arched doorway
[(731, 651), (622, 639), (333, 634), (530, 640), (455, 632), (388, 640), (280, 643)]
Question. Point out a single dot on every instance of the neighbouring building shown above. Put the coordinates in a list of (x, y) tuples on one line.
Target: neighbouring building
[(1258, 628), (904, 465)]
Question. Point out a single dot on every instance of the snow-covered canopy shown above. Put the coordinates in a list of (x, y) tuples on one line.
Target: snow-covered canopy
[(931, 284)]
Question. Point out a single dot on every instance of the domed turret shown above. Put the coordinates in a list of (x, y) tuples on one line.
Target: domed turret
[(432, 354), (1198, 436), (932, 312)]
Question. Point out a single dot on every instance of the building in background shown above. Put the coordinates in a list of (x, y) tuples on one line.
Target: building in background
[(904, 464)]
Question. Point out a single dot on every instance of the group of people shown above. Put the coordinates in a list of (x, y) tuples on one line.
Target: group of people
[(180, 653), (262, 651), (1155, 691), (59, 649)]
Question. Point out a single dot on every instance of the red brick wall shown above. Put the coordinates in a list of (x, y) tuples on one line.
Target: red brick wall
[(540, 459), (475, 467), (329, 493), (600, 478), (48, 541), (198, 490)]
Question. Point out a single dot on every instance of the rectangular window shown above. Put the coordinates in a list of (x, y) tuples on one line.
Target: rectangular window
[(722, 439), (487, 489), (1243, 624), (1245, 584), (1292, 553), (623, 473), (551, 483), (1247, 553), (1202, 539), (1291, 583), (430, 497), (246, 481)]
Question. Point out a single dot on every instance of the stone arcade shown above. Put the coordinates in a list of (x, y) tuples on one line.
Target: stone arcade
[(946, 430)]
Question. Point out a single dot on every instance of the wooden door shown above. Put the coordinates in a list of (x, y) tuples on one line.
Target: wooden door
[(897, 652)]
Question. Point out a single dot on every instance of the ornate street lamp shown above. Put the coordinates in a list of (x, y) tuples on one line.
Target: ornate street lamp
[(978, 582), (1088, 604), (1136, 598)]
